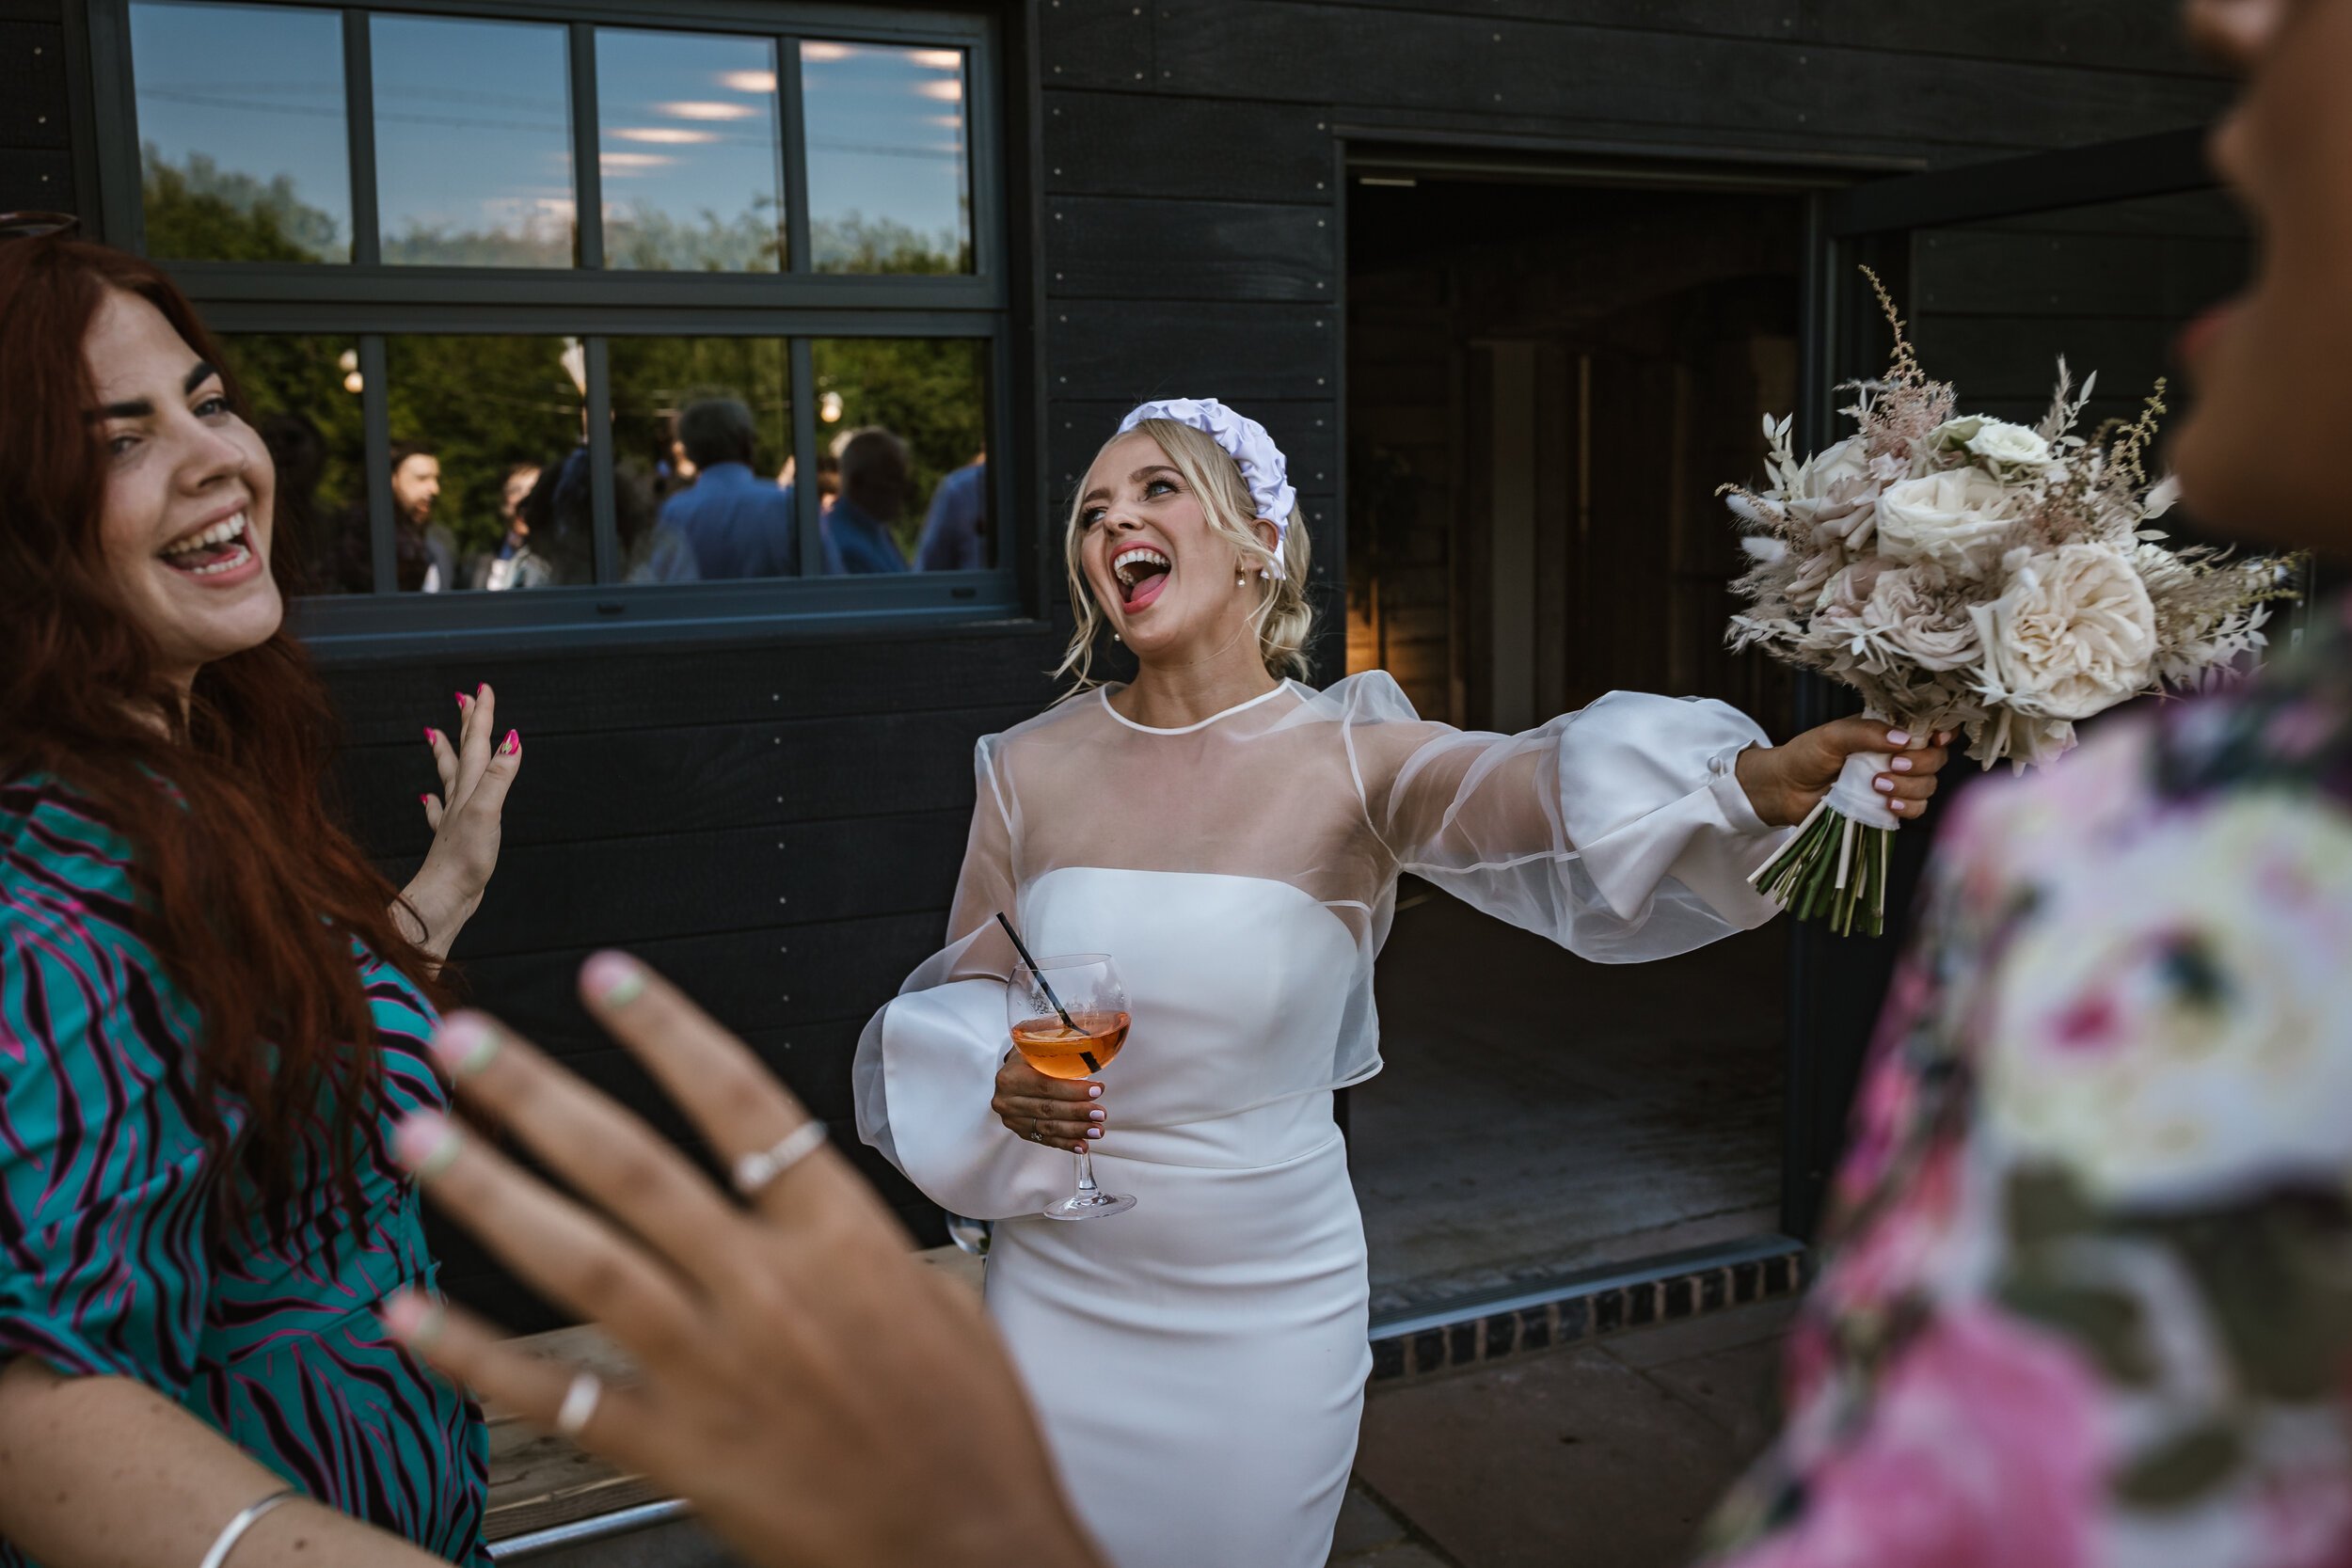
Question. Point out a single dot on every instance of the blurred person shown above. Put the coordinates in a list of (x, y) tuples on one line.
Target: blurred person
[(738, 525), (875, 470), (415, 494), (213, 1007), (512, 563), (955, 530), (298, 451)]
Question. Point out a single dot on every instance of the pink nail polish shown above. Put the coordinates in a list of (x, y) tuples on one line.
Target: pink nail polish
[(1094, 1116), (1094, 1132), (515, 743), (463, 699), (1883, 782), (1898, 738), (431, 735), (424, 800), (1094, 1091), (1903, 764), (425, 1142)]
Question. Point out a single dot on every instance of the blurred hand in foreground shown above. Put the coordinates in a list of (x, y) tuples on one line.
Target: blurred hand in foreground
[(820, 1394)]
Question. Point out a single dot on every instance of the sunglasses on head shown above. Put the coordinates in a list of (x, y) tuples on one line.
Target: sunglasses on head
[(34, 226)]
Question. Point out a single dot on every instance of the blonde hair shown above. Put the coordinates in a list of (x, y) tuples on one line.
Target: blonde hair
[(1283, 617)]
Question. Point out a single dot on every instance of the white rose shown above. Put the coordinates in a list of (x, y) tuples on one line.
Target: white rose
[(1906, 621), (2011, 445), (1958, 519), (2073, 635), (1822, 473)]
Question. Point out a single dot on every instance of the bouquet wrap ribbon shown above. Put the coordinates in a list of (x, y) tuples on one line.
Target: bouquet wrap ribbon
[(1856, 796)]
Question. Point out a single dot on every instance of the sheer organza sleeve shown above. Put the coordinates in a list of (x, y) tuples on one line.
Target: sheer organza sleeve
[(926, 1064), (1620, 831)]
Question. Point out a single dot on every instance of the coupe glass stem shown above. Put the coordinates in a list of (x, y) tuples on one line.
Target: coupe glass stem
[(1087, 1191)]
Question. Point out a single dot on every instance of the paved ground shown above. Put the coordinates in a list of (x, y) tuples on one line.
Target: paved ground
[(1604, 1455), (1540, 1114)]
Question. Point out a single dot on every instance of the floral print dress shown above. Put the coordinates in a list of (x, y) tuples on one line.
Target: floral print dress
[(2088, 1297)]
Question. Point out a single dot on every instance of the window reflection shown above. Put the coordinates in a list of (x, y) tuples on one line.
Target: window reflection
[(303, 397), (889, 182), (711, 420), (473, 142), (242, 144), (489, 466), (691, 155), (905, 422)]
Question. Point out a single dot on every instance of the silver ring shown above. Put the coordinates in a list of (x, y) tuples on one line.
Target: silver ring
[(755, 1172), (579, 1403)]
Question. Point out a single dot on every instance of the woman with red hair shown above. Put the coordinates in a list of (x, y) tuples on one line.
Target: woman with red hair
[(213, 1007)]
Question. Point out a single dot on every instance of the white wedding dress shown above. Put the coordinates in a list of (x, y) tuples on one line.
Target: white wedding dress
[(1198, 1362)]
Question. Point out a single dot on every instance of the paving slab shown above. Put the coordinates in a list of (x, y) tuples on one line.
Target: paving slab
[(1570, 1457)]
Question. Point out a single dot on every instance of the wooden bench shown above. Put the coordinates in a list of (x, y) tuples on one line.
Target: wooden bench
[(545, 1492)]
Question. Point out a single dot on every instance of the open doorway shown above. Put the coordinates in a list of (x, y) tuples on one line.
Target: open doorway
[(1545, 383)]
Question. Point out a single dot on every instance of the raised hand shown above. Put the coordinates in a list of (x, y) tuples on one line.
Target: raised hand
[(1784, 782), (821, 1396), (467, 820), (1044, 1110)]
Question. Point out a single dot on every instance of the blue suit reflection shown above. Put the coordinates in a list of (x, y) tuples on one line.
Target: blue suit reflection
[(740, 525), (952, 534)]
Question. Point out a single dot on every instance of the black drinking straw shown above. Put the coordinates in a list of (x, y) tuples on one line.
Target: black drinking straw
[(1042, 984)]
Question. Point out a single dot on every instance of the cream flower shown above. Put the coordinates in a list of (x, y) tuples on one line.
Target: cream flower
[(1906, 621), (1959, 519), (1996, 442), (2073, 635), (1834, 495)]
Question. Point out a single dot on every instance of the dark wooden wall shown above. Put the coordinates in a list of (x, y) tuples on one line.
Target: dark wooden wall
[(776, 820)]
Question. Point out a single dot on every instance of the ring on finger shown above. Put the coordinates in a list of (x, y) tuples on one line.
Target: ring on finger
[(579, 1403), (754, 1173)]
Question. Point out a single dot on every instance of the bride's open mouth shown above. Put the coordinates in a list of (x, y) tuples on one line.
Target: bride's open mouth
[(211, 551), (1142, 572)]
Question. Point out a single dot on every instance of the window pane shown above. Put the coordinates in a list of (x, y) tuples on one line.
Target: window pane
[(889, 182), (473, 142), (905, 424), (490, 486), (691, 159), (303, 394), (244, 153), (709, 421)]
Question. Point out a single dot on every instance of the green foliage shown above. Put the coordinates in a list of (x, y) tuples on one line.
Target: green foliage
[(854, 243), (481, 404), (654, 378), (932, 392), (201, 212)]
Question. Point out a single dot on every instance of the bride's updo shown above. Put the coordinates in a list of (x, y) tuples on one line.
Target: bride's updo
[(1283, 617)]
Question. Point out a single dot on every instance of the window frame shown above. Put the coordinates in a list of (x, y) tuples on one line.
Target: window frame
[(367, 301)]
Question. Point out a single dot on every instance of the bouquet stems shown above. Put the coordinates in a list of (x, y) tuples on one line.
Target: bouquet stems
[(1834, 869)]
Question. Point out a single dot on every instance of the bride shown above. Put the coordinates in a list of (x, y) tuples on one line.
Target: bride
[(1232, 838)]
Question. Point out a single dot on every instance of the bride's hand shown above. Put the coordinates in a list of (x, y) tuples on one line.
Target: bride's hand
[(1785, 782), (825, 1400), (467, 820), (1064, 1111)]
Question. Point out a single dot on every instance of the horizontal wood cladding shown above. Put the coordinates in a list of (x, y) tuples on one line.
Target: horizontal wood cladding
[(1121, 350), (2119, 35), (1308, 433), (1094, 43), (32, 85), (581, 787), (36, 181), (2073, 277), (779, 978), (1118, 249), (1116, 144), (808, 674), (1346, 55)]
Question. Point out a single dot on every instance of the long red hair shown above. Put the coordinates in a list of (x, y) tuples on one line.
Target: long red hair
[(251, 894)]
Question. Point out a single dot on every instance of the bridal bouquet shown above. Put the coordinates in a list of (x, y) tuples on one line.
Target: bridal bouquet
[(1968, 575)]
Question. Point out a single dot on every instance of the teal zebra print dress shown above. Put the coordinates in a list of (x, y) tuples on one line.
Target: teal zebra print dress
[(105, 1188)]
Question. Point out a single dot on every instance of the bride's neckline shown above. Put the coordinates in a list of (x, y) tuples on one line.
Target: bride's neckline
[(1227, 713)]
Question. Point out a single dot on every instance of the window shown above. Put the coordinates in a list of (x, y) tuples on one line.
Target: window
[(569, 315)]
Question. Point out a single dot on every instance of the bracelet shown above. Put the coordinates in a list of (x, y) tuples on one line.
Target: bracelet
[(232, 1532)]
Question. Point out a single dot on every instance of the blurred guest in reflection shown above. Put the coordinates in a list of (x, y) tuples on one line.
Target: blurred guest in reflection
[(874, 474), (310, 540), (512, 564), (955, 532), (651, 549), (737, 525), (673, 469), (416, 492)]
